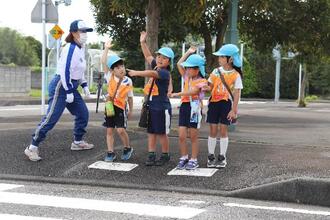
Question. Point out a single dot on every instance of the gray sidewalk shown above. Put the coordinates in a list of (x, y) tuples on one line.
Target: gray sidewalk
[(271, 143)]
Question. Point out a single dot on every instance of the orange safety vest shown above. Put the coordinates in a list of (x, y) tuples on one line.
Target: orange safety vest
[(219, 91), (123, 90), (199, 82), (154, 91)]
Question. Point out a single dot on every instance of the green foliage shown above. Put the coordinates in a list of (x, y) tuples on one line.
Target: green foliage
[(94, 46), (36, 93), (259, 76), (311, 98), (137, 91), (36, 69), (302, 26), (320, 78), (249, 80), (36, 46), (14, 48)]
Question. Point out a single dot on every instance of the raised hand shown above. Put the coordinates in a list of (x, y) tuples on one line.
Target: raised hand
[(143, 36), (108, 44), (192, 49)]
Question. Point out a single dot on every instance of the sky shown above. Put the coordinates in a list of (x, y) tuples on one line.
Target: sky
[(16, 14)]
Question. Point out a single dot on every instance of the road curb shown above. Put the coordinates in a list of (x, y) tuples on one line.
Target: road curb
[(310, 191), (305, 190), (101, 183)]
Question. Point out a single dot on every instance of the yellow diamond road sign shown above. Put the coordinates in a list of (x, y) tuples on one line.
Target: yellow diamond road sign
[(56, 32)]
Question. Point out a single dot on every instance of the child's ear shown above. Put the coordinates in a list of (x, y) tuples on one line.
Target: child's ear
[(231, 60)]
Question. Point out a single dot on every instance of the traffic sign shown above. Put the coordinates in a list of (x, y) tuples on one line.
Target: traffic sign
[(51, 12), (56, 32)]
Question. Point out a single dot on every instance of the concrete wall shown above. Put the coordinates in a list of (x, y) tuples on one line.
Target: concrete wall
[(35, 80), (15, 81)]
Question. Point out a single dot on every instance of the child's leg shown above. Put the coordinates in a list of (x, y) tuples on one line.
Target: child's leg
[(183, 141), (212, 140), (152, 142), (123, 136), (110, 139), (151, 149), (223, 139), (194, 143), (164, 141)]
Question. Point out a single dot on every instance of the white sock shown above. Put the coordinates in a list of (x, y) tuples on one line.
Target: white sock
[(211, 143), (223, 146), (185, 157), (77, 142), (33, 148), (193, 159)]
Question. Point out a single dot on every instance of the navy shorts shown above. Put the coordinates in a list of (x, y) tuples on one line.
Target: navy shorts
[(159, 121), (119, 120), (218, 111), (184, 116)]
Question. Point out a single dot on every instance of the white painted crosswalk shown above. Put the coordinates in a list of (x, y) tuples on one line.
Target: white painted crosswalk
[(141, 209), (41, 203), (23, 217)]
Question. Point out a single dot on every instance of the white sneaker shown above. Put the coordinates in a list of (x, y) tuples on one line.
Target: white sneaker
[(81, 146), (222, 162), (33, 155)]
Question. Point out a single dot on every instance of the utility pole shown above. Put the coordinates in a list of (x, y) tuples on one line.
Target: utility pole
[(277, 57), (43, 18), (44, 12), (232, 31)]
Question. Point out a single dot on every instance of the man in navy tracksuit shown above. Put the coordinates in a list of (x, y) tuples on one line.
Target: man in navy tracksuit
[(63, 92)]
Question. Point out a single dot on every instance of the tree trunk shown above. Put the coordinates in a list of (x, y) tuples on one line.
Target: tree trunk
[(301, 101), (211, 60), (152, 28), (152, 24)]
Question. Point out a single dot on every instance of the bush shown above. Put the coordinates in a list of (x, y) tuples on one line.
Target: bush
[(311, 98)]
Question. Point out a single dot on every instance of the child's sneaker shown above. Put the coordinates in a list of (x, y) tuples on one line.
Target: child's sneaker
[(182, 164), (192, 165), (211, 162), (81, 146), (127, 153), (110, 157), (151, 159), (221, 163), (33, 155), (164, 158)]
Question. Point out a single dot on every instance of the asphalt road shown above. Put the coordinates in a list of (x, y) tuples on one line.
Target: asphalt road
[(34, 200), (271, 143)]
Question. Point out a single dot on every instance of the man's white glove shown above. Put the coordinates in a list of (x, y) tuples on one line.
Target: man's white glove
[(86, 91), (69, 97)]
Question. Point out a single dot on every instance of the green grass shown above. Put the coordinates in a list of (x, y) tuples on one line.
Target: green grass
[(138, 90), (35, 93)]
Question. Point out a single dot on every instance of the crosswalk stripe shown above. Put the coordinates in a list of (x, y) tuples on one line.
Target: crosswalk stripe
[(100, 205), (23, 217), (5, 186)]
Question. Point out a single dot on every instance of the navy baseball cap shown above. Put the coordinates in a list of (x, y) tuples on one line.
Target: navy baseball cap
[(79, 25)]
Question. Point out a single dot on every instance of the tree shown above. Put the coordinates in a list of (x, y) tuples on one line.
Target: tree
[(301, 26), (36, 46), (14, 48), (124, 20)]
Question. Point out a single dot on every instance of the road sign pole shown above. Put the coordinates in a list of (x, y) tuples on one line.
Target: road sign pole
[(43, 57), (277, 80), (299, 86)]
